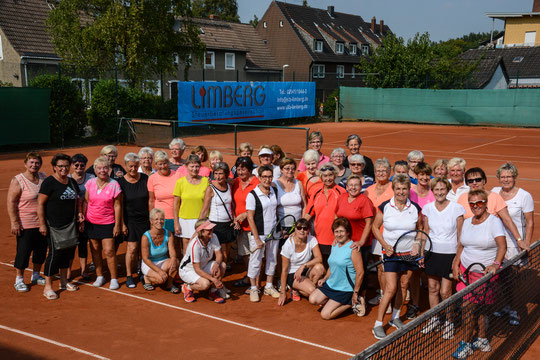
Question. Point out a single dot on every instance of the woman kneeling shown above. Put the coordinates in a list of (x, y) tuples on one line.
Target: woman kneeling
[(338, 291), (160, 263)]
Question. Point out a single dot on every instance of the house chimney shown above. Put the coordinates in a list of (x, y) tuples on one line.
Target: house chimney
[(214, 17), (381, 26), (331, 11), (373, 21), (536, 6)]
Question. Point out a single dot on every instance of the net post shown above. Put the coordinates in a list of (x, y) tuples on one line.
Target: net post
[(235, 139), (307, 139)]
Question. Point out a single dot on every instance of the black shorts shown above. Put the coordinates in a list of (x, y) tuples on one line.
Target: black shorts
[(439, 265), (224, 232), (290, 277), (325, 249), (398, 266), (342, 297), (99, 232), (136, 230)]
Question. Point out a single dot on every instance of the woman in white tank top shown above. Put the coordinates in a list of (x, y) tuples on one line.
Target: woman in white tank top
[(291, 198)]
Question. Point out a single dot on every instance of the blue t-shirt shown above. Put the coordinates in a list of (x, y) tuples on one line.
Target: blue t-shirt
[(161, 252), (342, 272)]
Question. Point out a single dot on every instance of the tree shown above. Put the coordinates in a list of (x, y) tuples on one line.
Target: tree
[(254, 22), (5, 84), (226, 9), (139, 38), (419, 63)]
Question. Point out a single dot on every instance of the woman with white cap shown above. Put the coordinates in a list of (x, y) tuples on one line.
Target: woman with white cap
[(266, 156)]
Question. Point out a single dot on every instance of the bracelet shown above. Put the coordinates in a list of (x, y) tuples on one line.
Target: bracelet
[(519, 239), (497, 263)]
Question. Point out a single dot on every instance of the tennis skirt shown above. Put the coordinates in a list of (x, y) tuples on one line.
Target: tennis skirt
[(290, 277), (484, 294), (99, 232), (398, 266), (224, 232), (342, 297), (439, 265), (136, 229)]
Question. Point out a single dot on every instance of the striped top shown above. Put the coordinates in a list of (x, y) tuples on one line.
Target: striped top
[(28, 217)]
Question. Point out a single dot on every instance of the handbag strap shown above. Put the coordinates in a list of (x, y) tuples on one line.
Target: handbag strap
[(216, 191)]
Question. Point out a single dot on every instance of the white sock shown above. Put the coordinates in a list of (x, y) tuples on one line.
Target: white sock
[(19, 279), (395, 314), (378, 323), (254, 288), (269, 285)]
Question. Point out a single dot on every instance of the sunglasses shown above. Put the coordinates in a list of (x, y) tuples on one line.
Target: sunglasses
[(475, 180), (327, 168), (302, 228), (477, 203), (79, 165)]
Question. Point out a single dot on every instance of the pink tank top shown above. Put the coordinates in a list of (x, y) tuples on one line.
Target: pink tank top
[(28, 216)]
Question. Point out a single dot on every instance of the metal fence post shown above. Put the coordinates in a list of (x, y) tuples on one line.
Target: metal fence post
[(235, 139)]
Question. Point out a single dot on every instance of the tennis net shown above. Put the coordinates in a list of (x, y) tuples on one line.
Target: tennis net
[(506, 303)]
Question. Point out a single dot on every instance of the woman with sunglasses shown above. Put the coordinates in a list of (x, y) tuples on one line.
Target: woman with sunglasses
[(357, 165), (301, 261), (482, 241), (476, 179)]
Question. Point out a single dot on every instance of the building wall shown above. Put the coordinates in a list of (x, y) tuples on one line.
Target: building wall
[(498, 81), (10, 64), (285, 44), (515, 29)]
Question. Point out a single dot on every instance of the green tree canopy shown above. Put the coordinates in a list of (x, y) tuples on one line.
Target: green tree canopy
[(140, 38), (417, 63), (226, 9)]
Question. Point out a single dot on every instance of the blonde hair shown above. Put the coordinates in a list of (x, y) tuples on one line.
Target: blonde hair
[(108, 149), (215, 154), (101, 160), (245, 146)]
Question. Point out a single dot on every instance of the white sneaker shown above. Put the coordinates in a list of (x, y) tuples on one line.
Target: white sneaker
[(432, 325), (100, 280), (254, 295), (114, 285), (448, 330), (464, 349), (481, 344), (271, 291)]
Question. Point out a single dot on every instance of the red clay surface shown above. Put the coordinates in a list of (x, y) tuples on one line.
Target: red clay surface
[(135, 323)]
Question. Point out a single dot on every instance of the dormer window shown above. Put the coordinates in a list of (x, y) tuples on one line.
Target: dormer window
[(265, 25), (365, 50), (340, 48), (354, 50), (318, 46), (280, 23)]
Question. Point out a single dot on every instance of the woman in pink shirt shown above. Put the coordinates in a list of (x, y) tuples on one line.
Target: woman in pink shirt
[(22, 209), (421, 192), (103, 213)]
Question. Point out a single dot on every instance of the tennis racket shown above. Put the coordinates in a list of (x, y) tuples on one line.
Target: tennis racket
[(411, 247), (474, 267), (279, 230), (481, 293)]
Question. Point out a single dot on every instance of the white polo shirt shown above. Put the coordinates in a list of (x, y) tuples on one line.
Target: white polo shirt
[(454, 195), (198, 253), (479, 241), (269, 205), (517, 206), (396, 222), (443, 226)]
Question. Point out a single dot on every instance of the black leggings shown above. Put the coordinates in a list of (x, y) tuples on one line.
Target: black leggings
[(57, 259), (30, 241), (365, 251), (82, 248)]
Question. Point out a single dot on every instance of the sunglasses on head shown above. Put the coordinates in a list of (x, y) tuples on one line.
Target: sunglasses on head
[(327, 168), (477, 203), (475, 180), (302, 228)]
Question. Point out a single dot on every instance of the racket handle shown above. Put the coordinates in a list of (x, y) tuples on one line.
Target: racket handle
[(374, 265)]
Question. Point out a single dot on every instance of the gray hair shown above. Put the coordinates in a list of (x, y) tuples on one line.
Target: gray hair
[(107, 149), (155, 211), (223, 166), (357, 158), (337, 151), (507, 167), (415, 155), (161, 155), (177, 141), (328, 167), (146, 150), (383, 162), (401, 179), (353, 137), (193, 159), (457, 161), (311, 155), (132, 157)]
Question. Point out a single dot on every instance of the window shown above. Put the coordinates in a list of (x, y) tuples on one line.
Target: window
[(176, 60), (365, 49), (353, 49), (264, 24), (318, 46), (209, 60), (340, 48), (530, 38), (280, 23), (318, 71), (353, 72), (340, 71), (229, 61)]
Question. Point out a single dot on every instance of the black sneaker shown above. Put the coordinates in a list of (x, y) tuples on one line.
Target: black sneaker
[(412, 311), (130, 283)]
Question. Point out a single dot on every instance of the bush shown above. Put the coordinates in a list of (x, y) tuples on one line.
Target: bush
[(132, 103), (330, 104), (67, 107)]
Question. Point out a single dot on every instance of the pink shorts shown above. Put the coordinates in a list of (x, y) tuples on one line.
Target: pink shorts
[(480, 295)]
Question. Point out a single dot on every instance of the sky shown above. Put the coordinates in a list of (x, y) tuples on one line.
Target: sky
[(442, 19)]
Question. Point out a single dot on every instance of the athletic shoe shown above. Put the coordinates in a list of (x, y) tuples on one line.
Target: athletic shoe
[(214, 296), (398, 324), (130, 283), (448, 330), (505, 310), (188, 294), (481, 344), (295, 295), (40, 280), (114, 285), (432, 325), (464, 349), (224, 294), (412, 311), (91, 267), (254, 295), (513, 318), (378, 332), (271, 291), (377, 299), (100, 280), (21, 286)]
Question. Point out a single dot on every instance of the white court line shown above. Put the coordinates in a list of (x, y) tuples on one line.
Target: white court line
[(213, 317), (489, 143), (53, 342)]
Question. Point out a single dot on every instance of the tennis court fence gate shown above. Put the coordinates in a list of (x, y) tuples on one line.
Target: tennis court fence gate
[(516, 286)]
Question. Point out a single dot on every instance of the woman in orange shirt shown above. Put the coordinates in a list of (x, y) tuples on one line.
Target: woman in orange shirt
[(309, 178)]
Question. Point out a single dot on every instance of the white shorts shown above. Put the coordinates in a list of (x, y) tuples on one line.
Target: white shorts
[(187, 226), (191, 277), (145, 268)]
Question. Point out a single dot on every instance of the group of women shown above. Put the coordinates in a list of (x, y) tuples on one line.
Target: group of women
[(181, 221)]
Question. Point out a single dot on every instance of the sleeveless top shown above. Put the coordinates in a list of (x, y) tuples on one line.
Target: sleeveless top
[(161, 252), (289, 203), (342, 272), (28, 217), (218, 214)]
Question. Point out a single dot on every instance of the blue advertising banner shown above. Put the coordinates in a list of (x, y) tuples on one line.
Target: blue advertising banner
[(229, 102)]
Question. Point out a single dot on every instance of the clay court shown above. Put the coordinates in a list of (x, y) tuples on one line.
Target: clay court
[(134, 323)]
